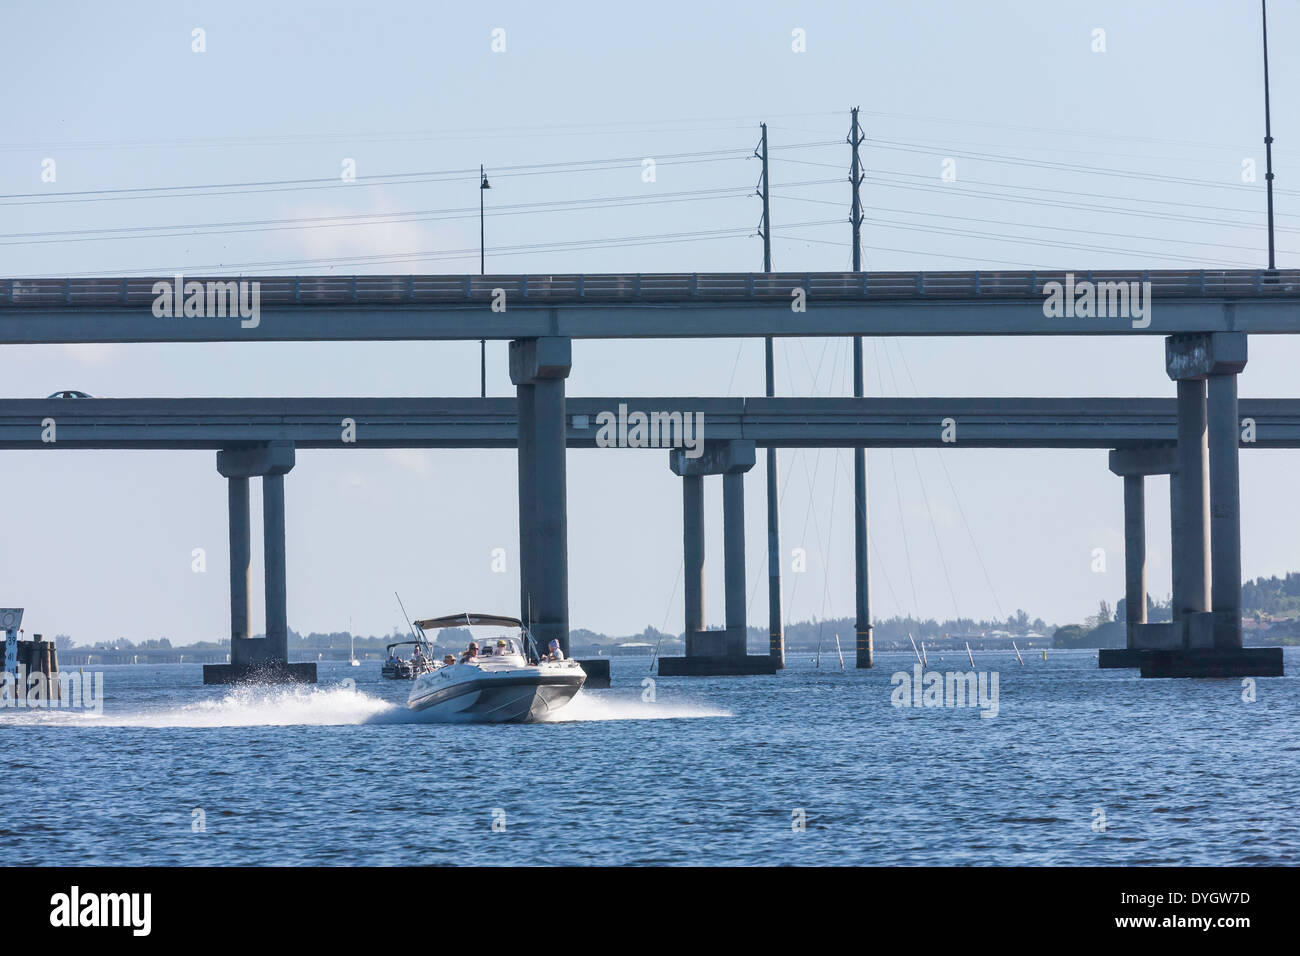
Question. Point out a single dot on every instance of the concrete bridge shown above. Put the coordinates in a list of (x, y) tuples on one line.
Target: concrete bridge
[(673, 305), (312, 423), (1205, 315)]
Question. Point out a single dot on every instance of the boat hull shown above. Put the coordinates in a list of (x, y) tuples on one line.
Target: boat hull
[(504, 699)]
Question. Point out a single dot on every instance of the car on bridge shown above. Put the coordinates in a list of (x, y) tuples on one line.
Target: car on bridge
[(71, 393)]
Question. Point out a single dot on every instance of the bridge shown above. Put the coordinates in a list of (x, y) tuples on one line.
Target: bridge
[(322, 423), (675, 305), (1205, 316)]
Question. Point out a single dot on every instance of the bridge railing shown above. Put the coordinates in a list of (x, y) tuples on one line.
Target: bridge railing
[(647, 287)]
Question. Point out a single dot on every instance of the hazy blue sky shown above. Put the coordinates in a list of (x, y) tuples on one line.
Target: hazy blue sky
[(1055, 146)]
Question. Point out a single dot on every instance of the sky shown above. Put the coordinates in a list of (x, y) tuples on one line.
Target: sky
[(1082, 135)]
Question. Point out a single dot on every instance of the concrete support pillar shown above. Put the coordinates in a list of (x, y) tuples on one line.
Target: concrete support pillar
[(693, 555), (1134, 465), (1135, 557), (527, 481), (266, 658), (1175, 544), (538, 368), (733, 543), (1194, 499), (1225, 510), (240, 559), (551, 517), (866, 652), (775, 627), (1193, 361), (715, 652), (277, 613)]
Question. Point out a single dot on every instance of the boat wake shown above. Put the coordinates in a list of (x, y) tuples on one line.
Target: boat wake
[(590, 705), (338, 705)]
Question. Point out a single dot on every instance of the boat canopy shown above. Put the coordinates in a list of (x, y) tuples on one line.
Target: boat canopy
[(390, 647), (468, 619)]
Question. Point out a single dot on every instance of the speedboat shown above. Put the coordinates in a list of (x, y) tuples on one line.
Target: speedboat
[(506, 682), (396, 668)]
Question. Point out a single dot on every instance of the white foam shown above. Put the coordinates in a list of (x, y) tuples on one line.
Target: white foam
[(599, 706), (339, 705), (270, 707)]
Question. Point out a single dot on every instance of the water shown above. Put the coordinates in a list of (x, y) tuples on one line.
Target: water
[(713, 771)]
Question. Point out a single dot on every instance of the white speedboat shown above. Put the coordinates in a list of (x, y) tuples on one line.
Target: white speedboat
[(505, 682)]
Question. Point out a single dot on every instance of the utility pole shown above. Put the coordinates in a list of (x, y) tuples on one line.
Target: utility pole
[(483, 186), (775, 631), (1268, 139), (862, 569)]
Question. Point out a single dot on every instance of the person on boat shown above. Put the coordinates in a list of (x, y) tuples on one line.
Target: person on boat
[(471, 652), (553, 652), (449, 659), (501, 646), (418, 656)]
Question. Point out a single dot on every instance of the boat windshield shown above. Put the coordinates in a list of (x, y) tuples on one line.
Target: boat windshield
[(498, 647)]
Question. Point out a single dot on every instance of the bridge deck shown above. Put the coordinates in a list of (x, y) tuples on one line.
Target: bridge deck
[(205, 423), (728, 287)]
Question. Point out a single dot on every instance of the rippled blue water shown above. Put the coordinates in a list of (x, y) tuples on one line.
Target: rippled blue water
[(714, 770)]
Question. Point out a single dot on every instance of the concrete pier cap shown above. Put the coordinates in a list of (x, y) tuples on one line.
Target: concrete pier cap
[(546, 357), (733, 456), (253, 461), (1198, 355), (1141, 462)]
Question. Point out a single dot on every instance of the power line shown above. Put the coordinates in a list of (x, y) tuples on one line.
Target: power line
[(947, 217), (1071, 167), (437, 254), (421, 215), (386, 179)]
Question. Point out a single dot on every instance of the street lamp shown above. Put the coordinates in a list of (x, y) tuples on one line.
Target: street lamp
[(483, 186), (1268, 138)]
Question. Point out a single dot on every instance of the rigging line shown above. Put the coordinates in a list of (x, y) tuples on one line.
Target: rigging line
[(781, 495), (1025, 128), (956, 498), (892, 145), (925, 497), (826, 556), (1029, 225), (362, 180), (361, 220), (140, 192), (441, 133), (924, 252), (838, 369), (519, 169), (1154, 214), (881, 565), (383, 217), (898, 499), (811, 479), (830, 518), (960, 191), (524, 249), (1038, 241)]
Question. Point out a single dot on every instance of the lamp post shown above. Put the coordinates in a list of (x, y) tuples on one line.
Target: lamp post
[(483, 186), (1268, 139)]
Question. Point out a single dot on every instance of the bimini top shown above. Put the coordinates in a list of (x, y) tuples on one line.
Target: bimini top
[(468, 620)]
